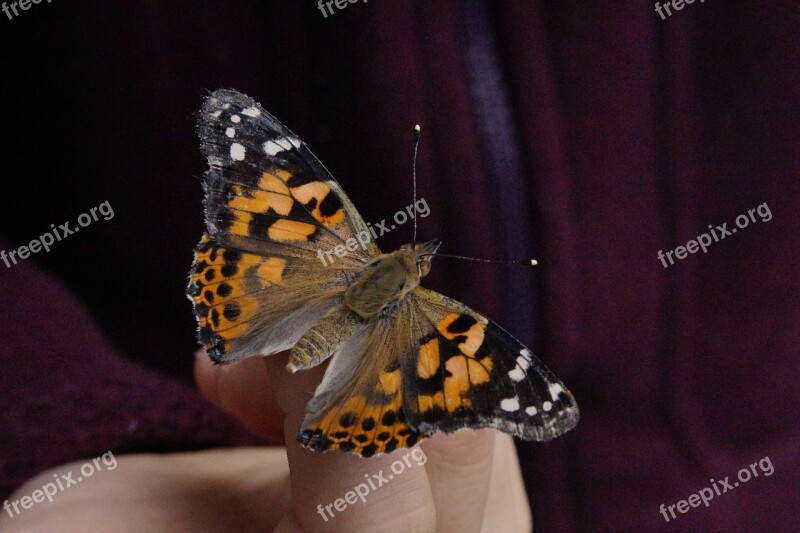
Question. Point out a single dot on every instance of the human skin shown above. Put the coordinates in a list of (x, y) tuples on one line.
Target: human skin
[(470, 480)]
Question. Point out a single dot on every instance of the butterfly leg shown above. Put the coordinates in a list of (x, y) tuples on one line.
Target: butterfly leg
[(321, 341)]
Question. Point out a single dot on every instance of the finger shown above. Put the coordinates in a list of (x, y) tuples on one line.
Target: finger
[(244, 489), (324, 485), (507, 507), (459, 470), (243, 389)]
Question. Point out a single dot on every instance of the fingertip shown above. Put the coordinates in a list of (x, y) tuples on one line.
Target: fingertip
[(243, 389)]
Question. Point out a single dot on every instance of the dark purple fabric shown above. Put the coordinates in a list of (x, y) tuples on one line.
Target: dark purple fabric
[(630, 134), (68, 392)]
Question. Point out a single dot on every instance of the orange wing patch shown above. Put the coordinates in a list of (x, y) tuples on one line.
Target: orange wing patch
[(428, 364), (320, 193), (272, 193), (281, 212), (284, 229), (221, 285), (271, 270), (461, 336)]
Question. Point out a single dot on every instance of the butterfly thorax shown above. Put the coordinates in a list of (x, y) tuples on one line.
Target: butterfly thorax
[(388, 279)]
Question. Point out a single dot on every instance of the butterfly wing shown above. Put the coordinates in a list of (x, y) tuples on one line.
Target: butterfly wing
[(433, 365), (261, 275), (469, 372), (359, 404)]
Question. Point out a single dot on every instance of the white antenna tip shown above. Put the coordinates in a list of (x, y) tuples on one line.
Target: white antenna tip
[(416, 128), (534, 262)]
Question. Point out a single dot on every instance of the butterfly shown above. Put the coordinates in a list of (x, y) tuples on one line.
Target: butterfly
[(405, 361)]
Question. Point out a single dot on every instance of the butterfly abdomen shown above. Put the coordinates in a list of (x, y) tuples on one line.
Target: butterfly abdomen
[(319, 343)]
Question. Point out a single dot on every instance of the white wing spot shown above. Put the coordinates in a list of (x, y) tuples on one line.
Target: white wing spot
[(555, 390), (251, 112), (295, 142), (546, 406), (276, 146), (510, 404), (230, 132), (517, 374), (532, 410), (526, 353), (236, 119), (216, 113), (272, 148), (237, 152)]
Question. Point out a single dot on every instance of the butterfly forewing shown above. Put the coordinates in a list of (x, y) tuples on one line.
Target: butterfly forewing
[(257, 283), (469, 372)]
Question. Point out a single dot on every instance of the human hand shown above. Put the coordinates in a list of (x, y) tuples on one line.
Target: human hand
[(466, 481)]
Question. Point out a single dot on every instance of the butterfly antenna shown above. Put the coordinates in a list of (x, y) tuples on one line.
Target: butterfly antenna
[(416, 146), (528, 262)]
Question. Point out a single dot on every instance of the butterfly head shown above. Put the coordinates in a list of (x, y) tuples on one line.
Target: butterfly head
[(422, 254)]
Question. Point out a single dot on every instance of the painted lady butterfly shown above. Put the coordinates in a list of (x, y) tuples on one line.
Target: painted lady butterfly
[(406, 361)]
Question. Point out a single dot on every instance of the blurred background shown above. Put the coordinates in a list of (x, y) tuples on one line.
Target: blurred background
[(588, 135)]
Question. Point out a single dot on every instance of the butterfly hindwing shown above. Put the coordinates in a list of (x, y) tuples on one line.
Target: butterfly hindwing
[(359, 405), (258, 282)]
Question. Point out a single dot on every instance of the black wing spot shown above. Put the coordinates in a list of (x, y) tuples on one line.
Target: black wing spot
[(461, 324), (346, 446), (231, 256), (369, 450), (231, 311), (348, 419), (230, 270), (330, 205), (388, 418), (224, 290)]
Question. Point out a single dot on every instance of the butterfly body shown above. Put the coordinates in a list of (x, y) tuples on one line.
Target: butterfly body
[(405, 361)]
